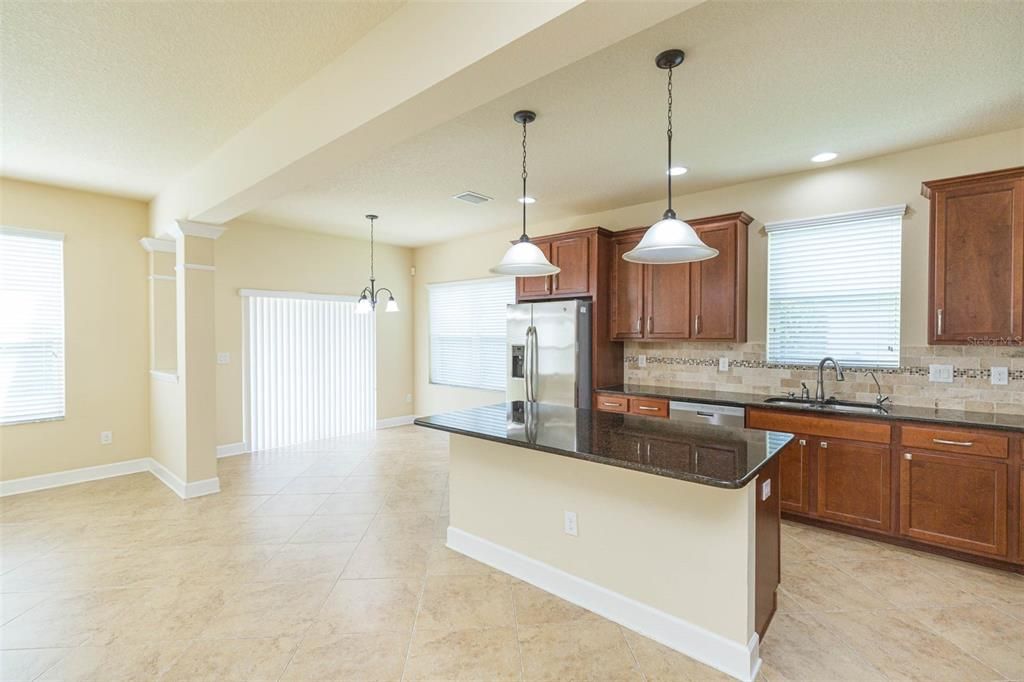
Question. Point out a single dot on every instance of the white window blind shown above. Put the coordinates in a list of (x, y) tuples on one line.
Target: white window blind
[(468, 330), (834, 288), (312, 368), (31, 325)]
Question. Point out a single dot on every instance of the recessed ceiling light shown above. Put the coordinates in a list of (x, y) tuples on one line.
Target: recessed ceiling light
[(823, 157), (527, 200), (677, 170), (471, 197)]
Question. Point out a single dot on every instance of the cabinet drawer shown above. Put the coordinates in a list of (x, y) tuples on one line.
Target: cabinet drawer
[(958, 441), (817, 425), (610, 402), (649, 407)]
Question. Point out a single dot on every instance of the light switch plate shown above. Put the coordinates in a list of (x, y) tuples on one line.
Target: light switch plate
[(723, 364), (570, 524), (106, 437), (641, 361), (942, 374), (766, 490), (1000, 376), (223, 358)]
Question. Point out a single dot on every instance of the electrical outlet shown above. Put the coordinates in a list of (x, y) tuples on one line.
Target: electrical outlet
[(766, 490), (570, 524), (106, 437), (641, 361), (942, 374), (1000, 376), (723, 364), (408, 397), (223, 358)]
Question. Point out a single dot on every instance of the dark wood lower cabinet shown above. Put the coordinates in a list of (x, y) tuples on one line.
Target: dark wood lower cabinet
[(956, 501), (855, 484), (794, 476), (767, 565)]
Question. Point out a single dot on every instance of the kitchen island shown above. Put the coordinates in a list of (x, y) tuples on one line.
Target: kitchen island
[(669, 528)]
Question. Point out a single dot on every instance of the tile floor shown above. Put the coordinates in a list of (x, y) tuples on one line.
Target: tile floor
[(327, 562)]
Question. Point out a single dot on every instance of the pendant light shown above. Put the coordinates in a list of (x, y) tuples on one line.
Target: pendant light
[(670, 240), (523, 258), (371, 294)]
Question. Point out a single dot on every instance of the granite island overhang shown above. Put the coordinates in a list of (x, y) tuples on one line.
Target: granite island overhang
[(676, 524)]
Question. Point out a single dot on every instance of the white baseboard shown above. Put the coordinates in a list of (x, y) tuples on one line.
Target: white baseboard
[(732, 658), (395, 421), (133, 466), (232, 449), (61, 478)]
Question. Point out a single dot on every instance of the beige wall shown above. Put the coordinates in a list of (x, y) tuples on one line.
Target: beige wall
[(871, 183), (255, 256), (106, 331)]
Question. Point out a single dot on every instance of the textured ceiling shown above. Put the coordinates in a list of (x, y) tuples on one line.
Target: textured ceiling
[(765, 85), (122, 97)]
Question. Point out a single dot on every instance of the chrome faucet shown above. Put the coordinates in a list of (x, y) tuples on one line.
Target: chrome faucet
[(819, 393), (880, 399)]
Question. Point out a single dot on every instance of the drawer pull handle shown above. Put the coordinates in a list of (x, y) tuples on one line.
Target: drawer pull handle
[(645, 407), (907, 455), (607, 404), (961, 443), (709, 415)]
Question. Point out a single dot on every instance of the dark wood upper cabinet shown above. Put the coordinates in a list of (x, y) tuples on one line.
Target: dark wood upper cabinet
[(977, 257), (955, 501), (699, 301), (535, 287), (855, 484), (627, 292), (572, 255)]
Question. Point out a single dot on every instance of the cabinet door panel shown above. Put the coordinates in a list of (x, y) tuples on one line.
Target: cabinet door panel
[(627, 293), (954, 501), (667, 302), (713, 285), (794, 474), (535, 287), (572, 255), (978, 262), (854, 484)]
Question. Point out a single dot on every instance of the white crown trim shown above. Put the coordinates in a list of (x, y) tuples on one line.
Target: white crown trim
[(838, 218), (34, 234), (162, 278), (190, 228), (152, 244)]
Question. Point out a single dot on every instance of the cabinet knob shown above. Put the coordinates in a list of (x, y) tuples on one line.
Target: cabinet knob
[(802, 442), (907, 456), (824, 445)]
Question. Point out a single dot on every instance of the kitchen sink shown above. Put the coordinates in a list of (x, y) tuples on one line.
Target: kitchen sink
[(830, 405)]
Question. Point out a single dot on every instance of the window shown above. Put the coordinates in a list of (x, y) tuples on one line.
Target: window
[(31, 325), (834, 289), (467, 332)]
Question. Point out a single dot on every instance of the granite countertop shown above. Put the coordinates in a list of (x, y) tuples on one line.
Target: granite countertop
[(1006, 422), (720, 456)]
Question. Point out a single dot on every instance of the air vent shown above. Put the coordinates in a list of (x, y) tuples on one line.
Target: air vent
[(472, 198)]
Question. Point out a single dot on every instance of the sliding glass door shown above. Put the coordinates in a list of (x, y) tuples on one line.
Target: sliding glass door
[(311, 368)]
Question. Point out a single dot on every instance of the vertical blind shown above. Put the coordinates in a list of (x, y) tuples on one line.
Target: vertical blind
[(312, 369), (834, 288), (467, 332), (31, 325)]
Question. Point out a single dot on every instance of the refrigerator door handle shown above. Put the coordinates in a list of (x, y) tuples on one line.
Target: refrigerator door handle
[(531, 364)]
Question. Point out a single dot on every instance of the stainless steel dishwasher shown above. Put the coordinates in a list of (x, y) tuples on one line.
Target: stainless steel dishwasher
[(703, 413)]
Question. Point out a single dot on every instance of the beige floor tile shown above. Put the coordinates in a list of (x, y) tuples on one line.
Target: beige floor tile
[(260, 530), (987, 583), (444, 561), (471, 655), (307, 562), (397, 526), (290, 505), (537, 607), (585, 651), (820, 586), (366, 484), (121, 661), (466, 602), (991, 636), (797, 647), (269, 610), (830, 546), (23, 665), (370, 605), (333, 529), (405, 502), (248, 485), (313, 485), (353, 503), (390, 558), (661, 664), (903, 648), (903, 584), (164, 614), (228, 660), (366, 657), (67, 620), (14, 604)]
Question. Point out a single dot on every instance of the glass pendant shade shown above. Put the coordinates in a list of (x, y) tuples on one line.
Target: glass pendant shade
[(392, 306), (524, 259), (670, 240), (363, 306)]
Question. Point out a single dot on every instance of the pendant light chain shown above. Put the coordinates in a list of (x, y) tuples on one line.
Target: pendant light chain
[(523, 199), (371, 250), (668, 169)]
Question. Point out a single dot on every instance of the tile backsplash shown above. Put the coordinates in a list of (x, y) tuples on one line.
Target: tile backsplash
[(695, 365)]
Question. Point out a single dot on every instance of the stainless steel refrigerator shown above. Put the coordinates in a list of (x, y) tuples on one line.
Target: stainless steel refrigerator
[(548, 350)]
